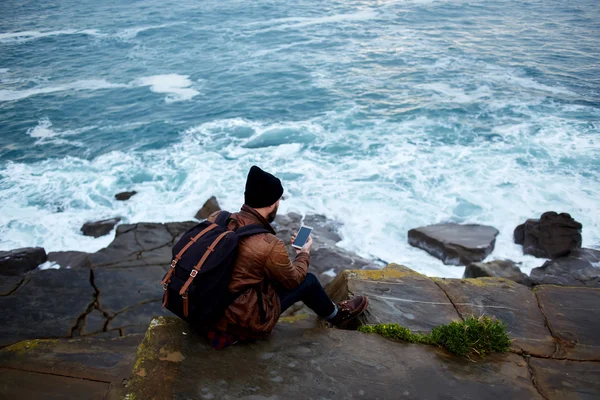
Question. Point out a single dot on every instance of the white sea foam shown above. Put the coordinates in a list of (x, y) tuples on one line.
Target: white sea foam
[(177, 87), (404, 184), (295, 23), (48, 265), (43, 132), (25, 36)]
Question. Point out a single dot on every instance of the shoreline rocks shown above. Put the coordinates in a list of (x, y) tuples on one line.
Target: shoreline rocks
[(210, 206), (580, 268), (499, 269), (19, 261), (125, 195), (455, 244), (552, 236), (99, 228)]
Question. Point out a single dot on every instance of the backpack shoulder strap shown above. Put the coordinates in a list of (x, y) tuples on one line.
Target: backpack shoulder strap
[(223, 218), (249, 230)]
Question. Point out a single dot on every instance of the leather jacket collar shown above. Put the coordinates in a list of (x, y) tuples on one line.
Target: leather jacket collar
[(250, 212)]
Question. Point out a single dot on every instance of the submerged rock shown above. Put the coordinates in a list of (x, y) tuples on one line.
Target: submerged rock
[(99, 228), (499, 269), (552, 236), (19, 261), (580, 268), (125, 195), (455, 244), (210, 206)]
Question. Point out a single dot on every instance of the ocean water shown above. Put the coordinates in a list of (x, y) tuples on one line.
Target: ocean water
[(384, 115)]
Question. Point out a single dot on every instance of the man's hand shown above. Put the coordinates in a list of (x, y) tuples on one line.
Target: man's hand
[(307, 246)]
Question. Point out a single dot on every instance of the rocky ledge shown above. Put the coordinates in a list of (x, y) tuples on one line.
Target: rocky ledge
[(554, 355)]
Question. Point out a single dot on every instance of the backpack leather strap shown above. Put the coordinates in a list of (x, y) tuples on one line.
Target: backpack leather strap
[(194, 271), (185, 248)]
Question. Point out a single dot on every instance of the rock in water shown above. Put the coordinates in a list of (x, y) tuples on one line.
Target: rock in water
[(552, 236), (17, 262), (70, 259), (499, 269), (99, 228), (125, 195), (580, 268), (208, 208), (455, 244)]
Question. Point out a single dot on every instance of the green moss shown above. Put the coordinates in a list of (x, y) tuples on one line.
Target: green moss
[(479, 336)]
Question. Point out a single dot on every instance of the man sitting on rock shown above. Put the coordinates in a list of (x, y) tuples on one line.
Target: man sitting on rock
[(263, 262)]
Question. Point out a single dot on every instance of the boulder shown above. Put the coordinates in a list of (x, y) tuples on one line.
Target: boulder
[(580, 268), (295, 363), (9, 284), (19, 261), (125, 195), (48, 304), (396, 295), (99, 228), (210, 206), (552, 236), (70, 259), (511, 303), (573, 317), (455, 244), (499, 269), (83, 368)]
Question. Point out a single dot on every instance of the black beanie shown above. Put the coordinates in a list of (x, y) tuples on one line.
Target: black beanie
[(262, 188)]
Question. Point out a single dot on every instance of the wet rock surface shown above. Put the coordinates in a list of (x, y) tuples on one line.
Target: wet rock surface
[(70, 259), (565, 380), (508, 301), (552, 236), (396, 294), (498, 269), (99, 228), (573, 316), (19, 261), (67, 369), (210, 206), (455, 244), (581, 267), (318, 363)]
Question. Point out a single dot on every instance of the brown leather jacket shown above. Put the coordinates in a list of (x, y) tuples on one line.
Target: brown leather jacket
[(262, 259)]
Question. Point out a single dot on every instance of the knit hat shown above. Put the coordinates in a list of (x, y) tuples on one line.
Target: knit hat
[(262, 188)]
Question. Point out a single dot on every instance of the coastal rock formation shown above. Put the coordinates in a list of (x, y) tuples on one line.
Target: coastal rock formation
[(499, 269), (455, 244), (552, 236), (99, 228), (70, 259), (580, 268), (125, 195), (19, 261), (296, 363), (210, 206)]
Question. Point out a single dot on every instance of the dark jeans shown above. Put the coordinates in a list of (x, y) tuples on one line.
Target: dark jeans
[(311, 293)]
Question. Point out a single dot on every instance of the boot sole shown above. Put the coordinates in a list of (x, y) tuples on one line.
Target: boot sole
[(358, 313)]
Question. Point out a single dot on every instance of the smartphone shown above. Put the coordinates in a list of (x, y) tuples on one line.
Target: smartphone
[(302, 236)]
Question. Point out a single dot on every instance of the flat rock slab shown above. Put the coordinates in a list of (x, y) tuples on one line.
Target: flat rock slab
[(19, 261), (46, 305), (9, 284), (99, 228), (396, 295), (16, 384), (573, 316), (136, 319), (497, 269), (316, 364), (123, 288), (455, 244), (106, 360), (508, 301), (140, 245), (566, 380), (70, 259), (580, 268)]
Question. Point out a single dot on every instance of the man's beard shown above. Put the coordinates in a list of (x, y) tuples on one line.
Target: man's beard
[(272, 215)]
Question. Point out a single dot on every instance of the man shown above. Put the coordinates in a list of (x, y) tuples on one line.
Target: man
[(269, 281)]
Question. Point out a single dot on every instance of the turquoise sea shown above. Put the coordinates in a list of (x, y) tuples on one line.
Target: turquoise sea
[(384, 115)]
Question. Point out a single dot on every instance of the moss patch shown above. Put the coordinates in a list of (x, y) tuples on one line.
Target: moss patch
[(392, 271), (479, 336), (28, 345), (293, 318)]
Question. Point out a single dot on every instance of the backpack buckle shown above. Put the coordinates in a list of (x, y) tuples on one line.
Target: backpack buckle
[(165, 286), (193, 273), (184, 296), (173, 264)]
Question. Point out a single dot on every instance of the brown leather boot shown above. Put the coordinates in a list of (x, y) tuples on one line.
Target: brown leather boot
[(349, 310)]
